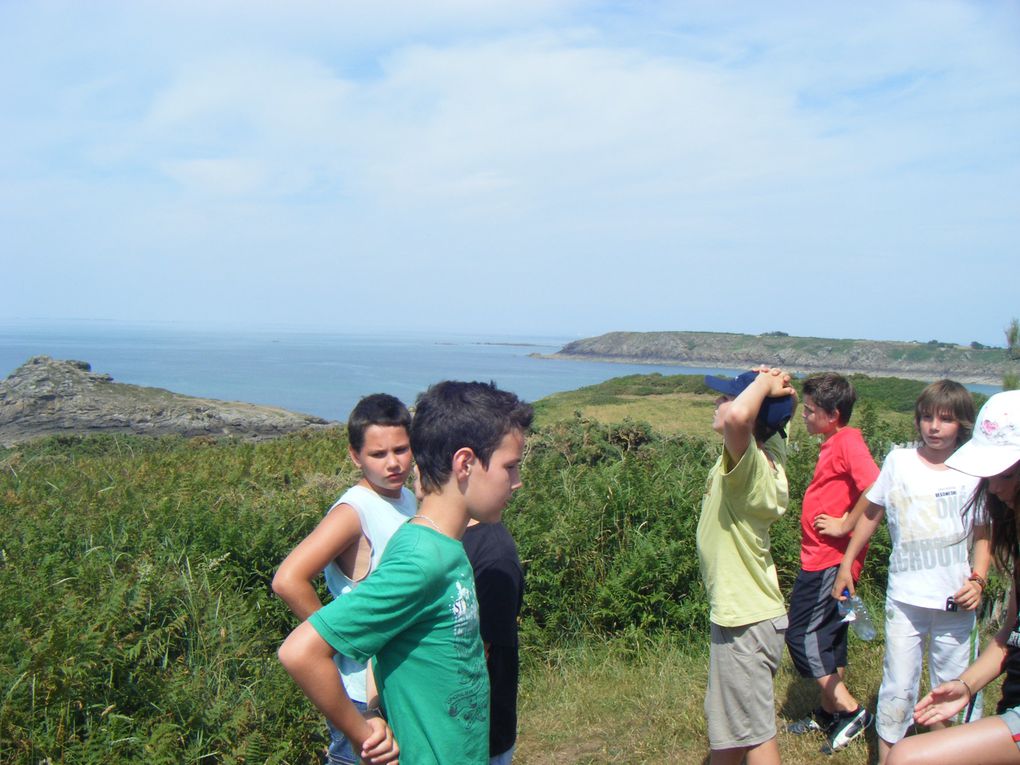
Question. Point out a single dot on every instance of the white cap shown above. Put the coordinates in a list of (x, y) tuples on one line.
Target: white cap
[(995, 445)]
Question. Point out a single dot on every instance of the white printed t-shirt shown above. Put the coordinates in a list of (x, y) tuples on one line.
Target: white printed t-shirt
[(931, 538)]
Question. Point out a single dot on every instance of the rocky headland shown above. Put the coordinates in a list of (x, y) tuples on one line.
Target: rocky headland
[(914, 360), (46, 396)]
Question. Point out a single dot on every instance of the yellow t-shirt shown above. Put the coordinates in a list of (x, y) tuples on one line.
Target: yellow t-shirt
[(741, 502)]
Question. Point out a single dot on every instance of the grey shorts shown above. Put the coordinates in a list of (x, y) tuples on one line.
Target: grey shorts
[(1012, 719), (740, 700), (817, 634)]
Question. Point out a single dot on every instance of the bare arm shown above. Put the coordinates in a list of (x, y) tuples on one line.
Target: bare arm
[(309, 661), (371, 690), (293, 580), (831, 526), (864, 530), (947, 699), (738, 423), (968, 597)]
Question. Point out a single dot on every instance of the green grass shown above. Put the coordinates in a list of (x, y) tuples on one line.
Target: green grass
[(138, 622), (642, 702), (676, 404)]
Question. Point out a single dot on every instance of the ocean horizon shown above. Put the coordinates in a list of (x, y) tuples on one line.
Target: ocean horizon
[(318, 373)]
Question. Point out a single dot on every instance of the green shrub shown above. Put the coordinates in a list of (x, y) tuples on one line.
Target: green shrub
[(138, 622), (605, 527)]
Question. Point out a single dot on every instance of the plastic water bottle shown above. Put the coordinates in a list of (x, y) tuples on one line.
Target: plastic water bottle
[(853, 611)]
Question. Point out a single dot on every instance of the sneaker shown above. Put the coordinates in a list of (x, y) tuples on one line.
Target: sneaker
[(847, 726), (819, 720)]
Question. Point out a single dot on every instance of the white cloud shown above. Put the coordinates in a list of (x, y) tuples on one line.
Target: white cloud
[(217, 176), (619, 151)]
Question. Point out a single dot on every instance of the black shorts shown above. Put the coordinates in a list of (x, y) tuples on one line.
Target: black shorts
[(816, 636)]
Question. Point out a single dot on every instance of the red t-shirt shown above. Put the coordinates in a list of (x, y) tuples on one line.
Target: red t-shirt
[(845, 469)]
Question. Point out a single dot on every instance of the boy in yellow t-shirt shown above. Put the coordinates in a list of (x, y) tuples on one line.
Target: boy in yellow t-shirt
[(747, 492)]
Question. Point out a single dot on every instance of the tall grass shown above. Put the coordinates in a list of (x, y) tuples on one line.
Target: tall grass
[(641, 701), (138, 622)]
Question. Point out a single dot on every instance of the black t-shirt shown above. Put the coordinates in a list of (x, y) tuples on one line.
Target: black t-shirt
[(1011, 683), (499, 580)]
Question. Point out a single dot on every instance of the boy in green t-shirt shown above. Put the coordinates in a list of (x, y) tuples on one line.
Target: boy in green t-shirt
[(747, 492), (417, 615)]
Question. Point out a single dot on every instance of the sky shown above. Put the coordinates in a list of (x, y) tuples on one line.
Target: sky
[(528, 167)]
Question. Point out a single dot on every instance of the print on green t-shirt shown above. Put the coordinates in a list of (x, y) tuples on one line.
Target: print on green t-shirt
[(417, 614)]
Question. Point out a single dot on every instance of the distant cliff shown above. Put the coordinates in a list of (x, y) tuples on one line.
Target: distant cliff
[(46, 396), (922, 361)]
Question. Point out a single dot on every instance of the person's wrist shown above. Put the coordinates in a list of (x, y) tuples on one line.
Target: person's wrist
[(970, 692)]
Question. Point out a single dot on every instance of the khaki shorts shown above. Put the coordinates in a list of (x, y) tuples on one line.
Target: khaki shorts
[(740, 700)]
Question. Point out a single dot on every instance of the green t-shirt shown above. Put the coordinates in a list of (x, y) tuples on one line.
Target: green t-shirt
[(417, 614), (741, 502)]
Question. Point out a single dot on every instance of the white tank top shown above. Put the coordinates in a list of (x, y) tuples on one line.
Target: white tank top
[(380, 517)]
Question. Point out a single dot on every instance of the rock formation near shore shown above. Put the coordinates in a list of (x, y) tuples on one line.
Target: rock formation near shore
[(47, 396)]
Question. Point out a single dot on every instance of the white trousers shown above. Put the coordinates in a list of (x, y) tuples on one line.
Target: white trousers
[(952, 647)]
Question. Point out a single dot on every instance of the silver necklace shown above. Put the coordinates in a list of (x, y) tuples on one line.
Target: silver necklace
[(426, 518)]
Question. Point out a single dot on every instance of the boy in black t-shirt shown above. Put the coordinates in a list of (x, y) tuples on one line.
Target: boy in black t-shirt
[(499, 580)]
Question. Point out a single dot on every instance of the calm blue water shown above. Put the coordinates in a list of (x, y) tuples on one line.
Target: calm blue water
[(320, 374)]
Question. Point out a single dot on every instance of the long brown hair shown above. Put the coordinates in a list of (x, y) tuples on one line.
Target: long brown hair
[(1003, 520)]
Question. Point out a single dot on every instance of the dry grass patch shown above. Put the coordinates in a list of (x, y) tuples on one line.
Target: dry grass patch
[(597, 705), (669, 413), (613, 703)]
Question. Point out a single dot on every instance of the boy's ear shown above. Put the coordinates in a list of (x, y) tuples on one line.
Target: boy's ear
[(354, 457), (462, 461)]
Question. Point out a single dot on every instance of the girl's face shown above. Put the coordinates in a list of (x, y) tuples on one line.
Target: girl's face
[(1005, 485), (939, 431)]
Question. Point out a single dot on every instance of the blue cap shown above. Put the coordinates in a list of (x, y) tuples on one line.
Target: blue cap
[(774, 412)]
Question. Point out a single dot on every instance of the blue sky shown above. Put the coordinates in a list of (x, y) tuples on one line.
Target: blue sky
[(525, 167)]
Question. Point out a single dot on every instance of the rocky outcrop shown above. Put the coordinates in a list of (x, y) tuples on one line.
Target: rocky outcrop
[(47, 396), (914, 360)]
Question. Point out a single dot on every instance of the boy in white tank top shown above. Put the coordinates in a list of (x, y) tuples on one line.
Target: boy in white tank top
[(348, 543)]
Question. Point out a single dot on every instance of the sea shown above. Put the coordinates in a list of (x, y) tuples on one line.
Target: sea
[(317, 373)]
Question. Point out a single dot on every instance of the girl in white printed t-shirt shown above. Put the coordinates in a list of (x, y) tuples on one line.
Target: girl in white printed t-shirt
[(934, 585)]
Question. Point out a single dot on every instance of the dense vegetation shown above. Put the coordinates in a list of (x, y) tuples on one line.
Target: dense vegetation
[(887, 393), (138, 622)]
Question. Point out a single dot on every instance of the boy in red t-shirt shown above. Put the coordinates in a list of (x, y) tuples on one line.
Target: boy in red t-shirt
[(817, 635)]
